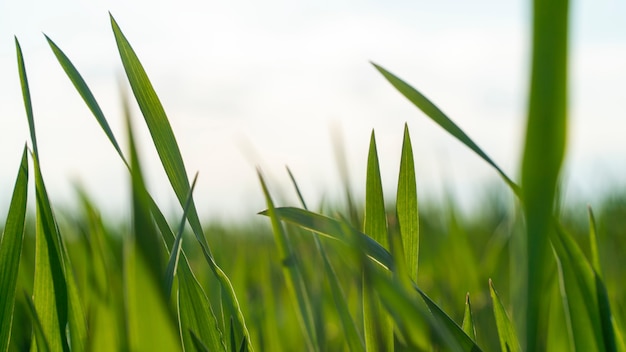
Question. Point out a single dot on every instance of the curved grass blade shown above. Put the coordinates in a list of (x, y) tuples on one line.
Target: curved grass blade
[(506, 331), (85, 93), (593, 243), (468, 319), (435, 114), (585, 297), (11, 251), (54, 293), (198, 343), (293, 275), (171, 159), (406, 206), (354, 341)]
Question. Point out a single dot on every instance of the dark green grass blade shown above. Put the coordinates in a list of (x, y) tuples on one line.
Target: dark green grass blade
[(468, 319), (26, 95), (506, 331), (85, 93), (585, 297), (197, 343), (293, 275), (11, 251), (593, 243), (171, 159), (544, 150), (406, 206), (351, 334), (38, 332), (378, 326), (159, 126), (54, 294), (435, 114), (172, 263)]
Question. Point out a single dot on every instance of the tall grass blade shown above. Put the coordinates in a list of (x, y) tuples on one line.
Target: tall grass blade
[(406, 206), (435, 114), (54, 294), (354, 341), (85, 93), (593, 243), (506, 331), (468, 319), (171, 159), (585, 297), (544, 149), (293, 275), (11, 251), (378, 326)]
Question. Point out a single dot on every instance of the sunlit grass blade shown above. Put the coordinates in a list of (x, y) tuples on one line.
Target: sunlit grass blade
[(26, 95), (506, 331), (378, 326), (593, 243), (435, 114), (11, 251), (406, 206), (468, 319), (354, 341), (171, 159), (54, 294), (333, 229), (293, 275), (85, 93), (38, 332), (585, 297), (544, 150), (172, 263)]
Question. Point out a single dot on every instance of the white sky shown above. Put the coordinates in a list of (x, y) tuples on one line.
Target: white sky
[(262, 82)]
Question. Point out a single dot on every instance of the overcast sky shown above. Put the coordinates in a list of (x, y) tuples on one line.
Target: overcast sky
[(250, 83)]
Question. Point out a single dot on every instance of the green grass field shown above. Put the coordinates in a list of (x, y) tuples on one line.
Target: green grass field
[(524, 272)]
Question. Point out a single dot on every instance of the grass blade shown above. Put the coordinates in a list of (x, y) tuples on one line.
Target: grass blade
[(468, 319), (406, 206), (585, 297), (38, 332), (378, 326), (593, 243), (435, 114), (293, 276), (85, 93), (11, 251), (506, 331), (26, 95), (544, 149)]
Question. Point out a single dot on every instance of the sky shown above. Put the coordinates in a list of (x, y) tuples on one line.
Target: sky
[(269, 83)]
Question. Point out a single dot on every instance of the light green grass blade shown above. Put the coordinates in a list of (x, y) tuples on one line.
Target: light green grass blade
[(26, 95), (544, 149), (585, 297), (38, 332), (354, 341), (506, 331), (406, 206), (11, 251), (54, 294), (85, 93), (468, 319), (172, 264), (435, 114), (378, 326), (171, 159), (293, 275)]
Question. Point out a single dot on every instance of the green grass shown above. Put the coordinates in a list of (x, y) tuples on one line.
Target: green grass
[(361, 278)]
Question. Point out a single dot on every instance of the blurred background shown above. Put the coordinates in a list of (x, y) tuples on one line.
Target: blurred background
[(274, 83)]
